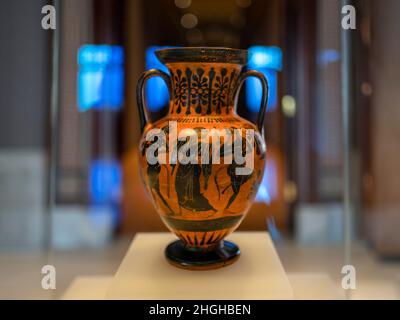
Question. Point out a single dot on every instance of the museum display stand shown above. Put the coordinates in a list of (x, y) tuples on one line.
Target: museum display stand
[(145, 274)]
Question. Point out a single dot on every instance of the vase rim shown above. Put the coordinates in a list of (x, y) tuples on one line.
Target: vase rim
[(202, 54)]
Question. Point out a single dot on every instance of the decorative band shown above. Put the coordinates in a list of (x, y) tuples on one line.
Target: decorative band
[(202, 225)]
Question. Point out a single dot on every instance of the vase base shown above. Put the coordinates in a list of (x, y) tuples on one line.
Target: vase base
[(181, 256)]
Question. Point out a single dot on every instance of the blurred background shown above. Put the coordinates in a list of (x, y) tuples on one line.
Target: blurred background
[(69, 129)]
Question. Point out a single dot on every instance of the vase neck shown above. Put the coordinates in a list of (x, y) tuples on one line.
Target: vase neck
[(203, 89)]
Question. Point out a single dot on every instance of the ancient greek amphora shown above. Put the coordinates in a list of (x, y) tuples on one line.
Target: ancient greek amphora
[(202, 163)]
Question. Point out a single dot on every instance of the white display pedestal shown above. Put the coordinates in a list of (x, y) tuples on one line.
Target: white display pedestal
[(145, 274)]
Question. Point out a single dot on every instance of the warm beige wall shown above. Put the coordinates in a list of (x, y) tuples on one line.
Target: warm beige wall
[(134, 35), (384, 222), (386, 101), (138, 212)]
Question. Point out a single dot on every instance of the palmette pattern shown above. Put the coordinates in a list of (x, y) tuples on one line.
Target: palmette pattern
[(199, 91)]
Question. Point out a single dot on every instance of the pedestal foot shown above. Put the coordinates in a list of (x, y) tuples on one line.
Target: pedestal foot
[(182, 256)]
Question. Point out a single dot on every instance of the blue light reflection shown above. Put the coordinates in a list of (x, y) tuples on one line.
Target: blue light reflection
[(267, 60), (105, 179), (157, 95), (267, 191), (100, 77)]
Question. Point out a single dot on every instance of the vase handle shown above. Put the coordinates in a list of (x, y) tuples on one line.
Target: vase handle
[(143, 115), (265, 91)]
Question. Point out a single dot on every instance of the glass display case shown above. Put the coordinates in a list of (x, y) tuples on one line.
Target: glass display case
[(326, 212)]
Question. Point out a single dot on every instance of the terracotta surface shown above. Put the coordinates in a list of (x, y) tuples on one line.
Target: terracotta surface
[(202, 203)]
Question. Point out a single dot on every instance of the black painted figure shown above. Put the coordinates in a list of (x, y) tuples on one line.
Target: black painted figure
[(187, 186)]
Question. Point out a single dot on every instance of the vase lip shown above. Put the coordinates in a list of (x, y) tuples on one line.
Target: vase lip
[(202, 54)]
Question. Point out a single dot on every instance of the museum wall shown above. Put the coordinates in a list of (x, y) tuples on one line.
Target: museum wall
[(385, 70), (24, 100)]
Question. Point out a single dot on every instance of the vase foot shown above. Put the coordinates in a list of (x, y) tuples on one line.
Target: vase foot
[(181, 256)]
